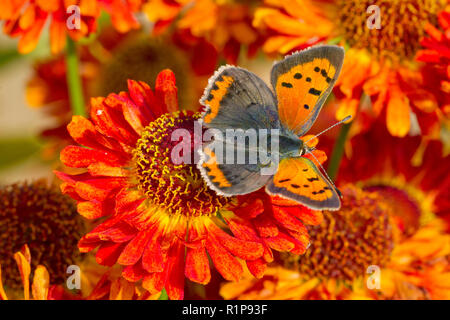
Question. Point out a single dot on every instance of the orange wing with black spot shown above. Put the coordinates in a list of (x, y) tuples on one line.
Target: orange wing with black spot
[(299, 179), (302, 82)]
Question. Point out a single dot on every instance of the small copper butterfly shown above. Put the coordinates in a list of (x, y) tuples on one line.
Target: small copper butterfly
[(238, 99)]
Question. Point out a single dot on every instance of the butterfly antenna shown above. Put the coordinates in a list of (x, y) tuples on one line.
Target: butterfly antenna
[(324, 171), (330, 127)]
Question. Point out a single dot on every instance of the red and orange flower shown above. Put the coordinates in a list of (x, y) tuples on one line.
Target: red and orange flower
[(206, 27), (27, 18), (379, 62), (160, 220)]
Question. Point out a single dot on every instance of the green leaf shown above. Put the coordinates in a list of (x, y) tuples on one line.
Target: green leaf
[(17, 149)]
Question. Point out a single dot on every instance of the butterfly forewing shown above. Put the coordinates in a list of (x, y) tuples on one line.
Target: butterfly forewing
[(302, 82)]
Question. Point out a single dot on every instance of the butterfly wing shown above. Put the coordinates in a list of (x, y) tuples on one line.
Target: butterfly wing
[(302, 82), (230, 179), (235, 99), (299, 179)]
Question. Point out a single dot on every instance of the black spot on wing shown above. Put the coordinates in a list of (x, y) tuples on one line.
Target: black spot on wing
[(315, 92), (286, 84)]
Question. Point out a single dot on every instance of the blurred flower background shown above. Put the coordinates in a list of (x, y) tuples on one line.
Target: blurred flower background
[(90, 91)]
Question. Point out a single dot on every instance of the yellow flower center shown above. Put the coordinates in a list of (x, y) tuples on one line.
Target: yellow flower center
[(348, 241), (401, 25), (46, 221), (178, 188)]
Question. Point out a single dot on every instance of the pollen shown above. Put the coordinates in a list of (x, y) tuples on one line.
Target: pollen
[(178, 188), (400, 28), (349, 240)]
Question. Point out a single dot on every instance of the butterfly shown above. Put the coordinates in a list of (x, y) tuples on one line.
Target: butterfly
[(237, 99)]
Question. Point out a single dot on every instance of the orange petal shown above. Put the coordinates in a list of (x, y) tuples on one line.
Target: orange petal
[(23, 262), (398, 115), (41, 283)]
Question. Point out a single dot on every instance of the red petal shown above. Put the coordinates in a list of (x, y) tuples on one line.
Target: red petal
[(246, 250), (134, 249), (111, 122), (166, 90), (108, 253), (153, 259), (288, 221), (83, 131), (197, 265), (280, 243), (265, 226), (79, 157), (175, 280), (257, 267), (134, 273), (144, 99), (225, 263), (155, 282), (308, 216)]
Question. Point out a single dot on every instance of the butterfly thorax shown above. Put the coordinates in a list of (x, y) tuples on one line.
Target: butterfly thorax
[(290, 146)]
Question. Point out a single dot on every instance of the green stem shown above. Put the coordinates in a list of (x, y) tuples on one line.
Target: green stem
[(163, 295), (338, 151), (74, 79)]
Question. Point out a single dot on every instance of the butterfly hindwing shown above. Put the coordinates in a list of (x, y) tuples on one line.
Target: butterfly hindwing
[(237, 98), (302, 82), (299, 179), (230, 179)]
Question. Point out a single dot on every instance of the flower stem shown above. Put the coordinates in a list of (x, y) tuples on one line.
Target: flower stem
[(163, 295), (338, 151), (74, 80)]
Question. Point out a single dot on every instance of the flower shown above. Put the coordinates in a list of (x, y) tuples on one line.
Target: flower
[(226, 25), (348, 247), (153, 210), (44, 219), (26, 19), (406, 168), (379, 62), (40, 288), (436, 55), (160, 221)]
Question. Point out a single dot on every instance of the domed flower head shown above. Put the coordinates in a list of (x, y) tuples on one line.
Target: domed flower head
[(39, 216), (78, 18), (380, 60)]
